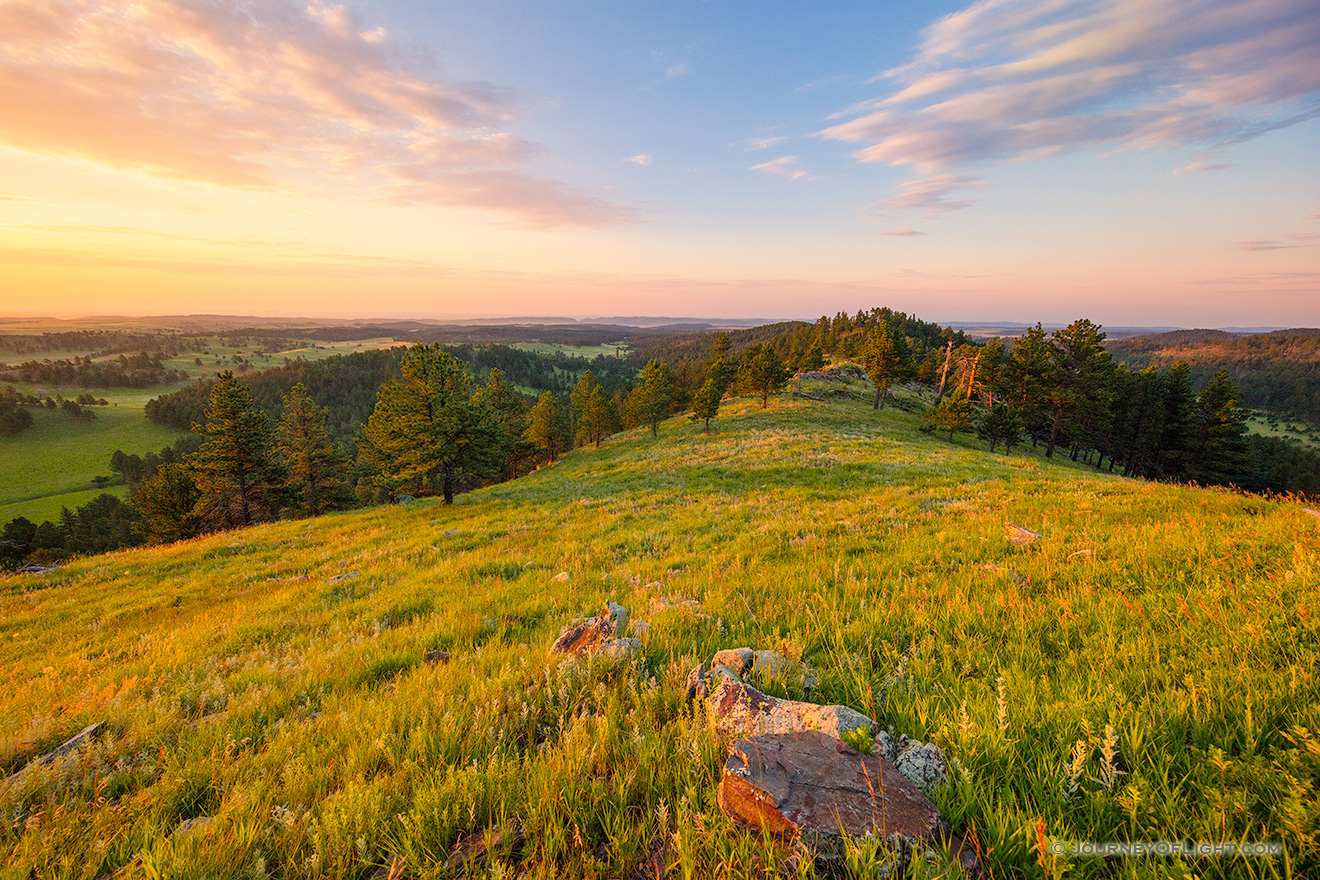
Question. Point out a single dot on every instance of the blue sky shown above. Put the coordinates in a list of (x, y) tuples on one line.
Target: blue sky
[(1131, 161)]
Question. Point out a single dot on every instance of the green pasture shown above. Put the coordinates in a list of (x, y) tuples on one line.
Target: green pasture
[(51, 465), (1144, 671), (590, 352)]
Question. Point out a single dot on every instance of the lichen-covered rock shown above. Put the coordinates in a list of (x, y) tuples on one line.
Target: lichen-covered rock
[(922, 764), (811, 785), (622, 649), (736, 709)]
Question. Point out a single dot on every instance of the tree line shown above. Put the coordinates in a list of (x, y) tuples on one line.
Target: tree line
[(140, 370), (434, 429)]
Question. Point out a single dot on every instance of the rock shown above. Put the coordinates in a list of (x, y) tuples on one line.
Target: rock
[(812, 785), (641, 629), (771, 664), (403, 499), (622, 649), (737, 659), (562, 577), (433, 658), (473, 849), (1074, 555), (583, 636), (449, 533), (922, 764), (73, 743), (189, 826), (1022, 536), (1315, 513), (347, 576), (36, 568), (722, 671), (696, 683), (736, 709)]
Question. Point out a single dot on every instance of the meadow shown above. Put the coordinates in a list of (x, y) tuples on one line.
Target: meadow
[(52, 465), (1145, 671)]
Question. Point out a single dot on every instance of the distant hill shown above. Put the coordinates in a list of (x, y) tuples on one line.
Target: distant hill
[(1277, 371)]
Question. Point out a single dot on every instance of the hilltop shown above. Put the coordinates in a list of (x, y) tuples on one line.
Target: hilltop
[(272, 679)]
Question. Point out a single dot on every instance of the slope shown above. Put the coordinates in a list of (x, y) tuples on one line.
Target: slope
[(272, 679)]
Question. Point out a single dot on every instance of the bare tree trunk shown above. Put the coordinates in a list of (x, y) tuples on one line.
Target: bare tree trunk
[(944, 374)]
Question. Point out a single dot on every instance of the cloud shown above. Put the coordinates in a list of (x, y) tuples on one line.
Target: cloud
[(784, 166), (262, 93), (1294, 241), (641, 159), (1022, 79), (682, 68), (931, 195), (905, 232), (754, 144)]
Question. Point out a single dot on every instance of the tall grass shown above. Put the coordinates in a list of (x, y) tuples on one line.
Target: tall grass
[(1146, 671)]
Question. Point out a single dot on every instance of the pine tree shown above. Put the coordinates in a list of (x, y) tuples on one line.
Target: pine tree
[(1000, 424), (706, 402), (167, 501), (953, 414), (429, 427), (239, 479), (315, 466), (650, 399), (1219, 428), (547, 426), (886, 357), (511, 410), (762, 373)]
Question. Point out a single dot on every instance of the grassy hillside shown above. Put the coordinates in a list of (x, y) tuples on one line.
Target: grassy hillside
[(272, 679)]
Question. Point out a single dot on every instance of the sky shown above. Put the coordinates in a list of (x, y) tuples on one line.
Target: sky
[(1135, 162)]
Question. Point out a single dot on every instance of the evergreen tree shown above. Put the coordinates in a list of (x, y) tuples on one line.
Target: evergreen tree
[(650, 399), (1079, 379), (952, 414), (429, 426), (762, 373), (547, 426), (511, 410), (167, 502), (1000, 424), (315, 467), (886, 357), (813, 359), (238, 476), (1219, 428), (581, 411), (16, 541), (706, 402), (1027, 376), (1176, 440)]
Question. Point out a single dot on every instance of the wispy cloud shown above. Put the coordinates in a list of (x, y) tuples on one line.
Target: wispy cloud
[(751, 145), (261, 94), (1301, 239), (931, 195), (904, 232), (1022, 79), (641, 159), (681, 68), (784, 166)]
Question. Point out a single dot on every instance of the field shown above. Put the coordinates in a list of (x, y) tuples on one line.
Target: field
[(272, 680), (1285, 429), (590, 352), (52, 465)]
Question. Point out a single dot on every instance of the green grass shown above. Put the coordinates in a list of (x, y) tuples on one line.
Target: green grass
[(1286, 429), (590, 352), (51, 465), (241, 683)]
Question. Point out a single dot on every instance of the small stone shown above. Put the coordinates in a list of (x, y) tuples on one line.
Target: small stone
[(1315, 513), (347, 576), (1022, 536), (622, 649), (189, 826), (434, 658), (697, 688), (449, 533), (562, 577), (737, 659), (616, 613), (1079, 553)]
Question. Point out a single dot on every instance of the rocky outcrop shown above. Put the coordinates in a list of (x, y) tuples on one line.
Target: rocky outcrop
[(811, 784), (921, 763)]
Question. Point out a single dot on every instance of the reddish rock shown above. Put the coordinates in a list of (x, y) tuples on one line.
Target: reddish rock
[(813, 785), (586, 636), (433, 658)]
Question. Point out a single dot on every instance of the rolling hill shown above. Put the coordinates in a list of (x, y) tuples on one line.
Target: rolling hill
[(268, 712)]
